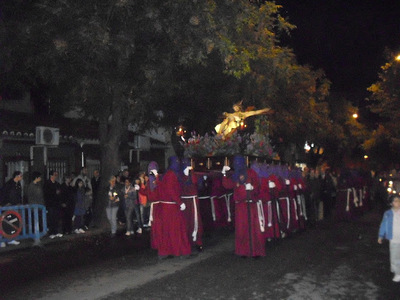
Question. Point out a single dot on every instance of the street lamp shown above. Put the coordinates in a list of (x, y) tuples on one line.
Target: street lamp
[(355, 115), (397, 57)]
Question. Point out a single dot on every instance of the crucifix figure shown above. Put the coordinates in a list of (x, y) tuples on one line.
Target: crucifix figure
[(233, 120)]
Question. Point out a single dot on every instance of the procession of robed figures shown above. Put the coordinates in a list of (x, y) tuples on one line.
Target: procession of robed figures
[(261, 203)]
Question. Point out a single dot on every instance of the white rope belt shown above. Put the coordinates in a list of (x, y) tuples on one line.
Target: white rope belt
[(196, 220), (228, 206), (355, 198), (295, 208), (348, 200), (212, 205), (361, 197), (260, 212), (269, 205), (151, 209), (261, 218)]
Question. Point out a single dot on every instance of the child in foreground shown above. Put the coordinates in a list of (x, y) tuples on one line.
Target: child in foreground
[(390, 230)]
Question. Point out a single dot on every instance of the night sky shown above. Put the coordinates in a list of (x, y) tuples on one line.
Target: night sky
[(346, 38)]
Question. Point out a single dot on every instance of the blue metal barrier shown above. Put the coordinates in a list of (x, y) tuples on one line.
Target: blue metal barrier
[(22, 222)]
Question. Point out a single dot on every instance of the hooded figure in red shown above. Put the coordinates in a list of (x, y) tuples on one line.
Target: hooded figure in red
[(249, 236), (174, 237)]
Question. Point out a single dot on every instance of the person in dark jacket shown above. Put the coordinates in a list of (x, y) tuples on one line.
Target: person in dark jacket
[(52, 199), (67, 204), (34, 192), (95, 181), (13, 190), (80, 209), (328, 193), (89, 195), (313, 183)]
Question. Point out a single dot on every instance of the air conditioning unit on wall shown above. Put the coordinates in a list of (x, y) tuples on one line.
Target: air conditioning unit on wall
[(47, 136), (142, 142)]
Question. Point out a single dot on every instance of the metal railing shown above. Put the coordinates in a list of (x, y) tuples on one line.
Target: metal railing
[(22, 222)]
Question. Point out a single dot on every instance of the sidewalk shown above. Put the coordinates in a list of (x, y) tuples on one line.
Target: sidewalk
[(46, 240)]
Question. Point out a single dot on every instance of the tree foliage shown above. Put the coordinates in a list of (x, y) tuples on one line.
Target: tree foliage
[(113, 59), (384, 142)]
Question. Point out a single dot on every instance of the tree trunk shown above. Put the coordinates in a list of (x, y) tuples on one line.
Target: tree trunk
[(110, 139)]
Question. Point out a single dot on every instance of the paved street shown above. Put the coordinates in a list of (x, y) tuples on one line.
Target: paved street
[(333, 261)]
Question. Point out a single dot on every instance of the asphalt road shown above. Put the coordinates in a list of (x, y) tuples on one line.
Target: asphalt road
[(335, 260)]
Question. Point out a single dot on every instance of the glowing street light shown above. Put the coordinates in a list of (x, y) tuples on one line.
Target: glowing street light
[(355, 115), (397, 57)]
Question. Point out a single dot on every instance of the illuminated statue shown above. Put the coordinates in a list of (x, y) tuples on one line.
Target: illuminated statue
[(236, 119)]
